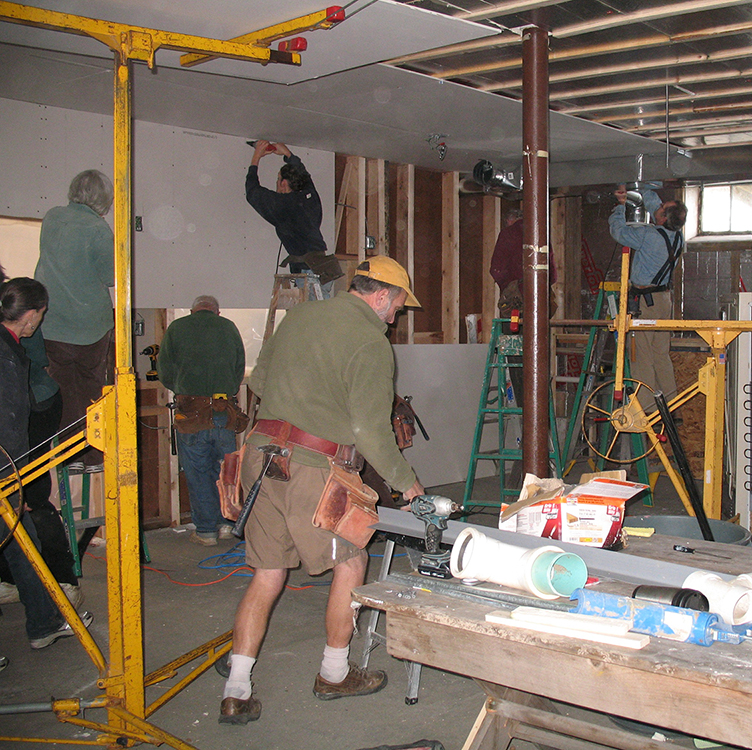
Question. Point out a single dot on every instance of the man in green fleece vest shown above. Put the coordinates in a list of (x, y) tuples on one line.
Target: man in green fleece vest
[(326, 377), (202, 361)]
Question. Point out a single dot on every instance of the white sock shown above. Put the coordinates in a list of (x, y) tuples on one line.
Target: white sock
[(238, 684), (334, 666)]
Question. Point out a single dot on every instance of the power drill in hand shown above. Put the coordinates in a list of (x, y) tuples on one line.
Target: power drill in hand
[(434, 510)]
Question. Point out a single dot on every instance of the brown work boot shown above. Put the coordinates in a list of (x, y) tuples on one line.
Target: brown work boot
[(237, 711), (357, 682)]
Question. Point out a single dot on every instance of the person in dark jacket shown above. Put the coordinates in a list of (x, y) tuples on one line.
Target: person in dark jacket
[(23, 303), (294, 209), (44, 421)]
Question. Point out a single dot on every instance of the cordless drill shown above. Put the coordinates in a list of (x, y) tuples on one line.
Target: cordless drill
[(151, 352), (434, 510)]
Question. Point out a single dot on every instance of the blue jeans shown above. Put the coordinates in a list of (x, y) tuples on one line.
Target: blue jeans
[(42, 616), (200, 454), (326, 289)]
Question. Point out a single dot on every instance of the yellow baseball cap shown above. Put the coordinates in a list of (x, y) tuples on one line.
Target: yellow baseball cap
[(383, 268)]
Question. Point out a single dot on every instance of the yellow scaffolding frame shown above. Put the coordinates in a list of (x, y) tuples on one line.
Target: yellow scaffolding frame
[(630, 417), (111, 421)]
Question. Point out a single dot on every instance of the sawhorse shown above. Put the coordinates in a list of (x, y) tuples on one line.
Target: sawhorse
[(374, 638)]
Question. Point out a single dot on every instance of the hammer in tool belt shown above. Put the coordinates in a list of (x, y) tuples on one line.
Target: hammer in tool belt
[(269, 451)]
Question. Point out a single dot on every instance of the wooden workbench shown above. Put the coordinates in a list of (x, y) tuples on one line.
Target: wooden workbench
[(701, 691)]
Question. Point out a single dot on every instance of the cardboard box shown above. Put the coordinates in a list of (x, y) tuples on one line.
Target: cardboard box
[(590, 513)]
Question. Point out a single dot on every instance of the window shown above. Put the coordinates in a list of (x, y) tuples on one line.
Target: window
[(717, 262), (726, 209), (719, 211), (19, 245)]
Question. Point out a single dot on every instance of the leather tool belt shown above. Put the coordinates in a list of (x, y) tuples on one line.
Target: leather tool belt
[(286, 435), (290, 435), (347, 507), (195, 413)]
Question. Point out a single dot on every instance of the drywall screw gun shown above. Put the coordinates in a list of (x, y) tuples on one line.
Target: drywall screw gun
[(434, 510)]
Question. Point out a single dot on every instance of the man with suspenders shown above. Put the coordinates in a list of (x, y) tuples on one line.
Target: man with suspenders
[(656, 250)]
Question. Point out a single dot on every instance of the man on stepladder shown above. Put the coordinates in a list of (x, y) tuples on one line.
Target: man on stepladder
[(294, 209)]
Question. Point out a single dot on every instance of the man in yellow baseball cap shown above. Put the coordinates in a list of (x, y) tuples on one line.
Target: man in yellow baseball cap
[(386, 270), (326, 381)]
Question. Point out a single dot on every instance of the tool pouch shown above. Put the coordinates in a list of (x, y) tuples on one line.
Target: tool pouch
[(326, 267), (193, 414), (229, 486), (347, 507), (403, 422), (237, 419)]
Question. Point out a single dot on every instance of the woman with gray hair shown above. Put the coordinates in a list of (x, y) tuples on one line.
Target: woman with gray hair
[(77, 265)]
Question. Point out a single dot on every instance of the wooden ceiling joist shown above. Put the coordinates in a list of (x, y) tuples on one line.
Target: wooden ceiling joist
[(676, 96), (700, 132), (644, 15), (674, 111), (603, 48), (631, 67), (671, 80), (506, 8)]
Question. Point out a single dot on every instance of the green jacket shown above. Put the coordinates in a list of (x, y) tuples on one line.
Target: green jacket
[(329, 370), (77, 265), (200, 355), (42, 385)]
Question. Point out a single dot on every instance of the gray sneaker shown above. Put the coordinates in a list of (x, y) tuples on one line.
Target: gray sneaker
[(8, 593), (74, 594), (3, 662), (64, 631)]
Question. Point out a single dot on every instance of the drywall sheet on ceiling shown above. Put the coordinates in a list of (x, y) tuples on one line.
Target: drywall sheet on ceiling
[(445, 382), (378, 111), (199, 234), (372, 32)]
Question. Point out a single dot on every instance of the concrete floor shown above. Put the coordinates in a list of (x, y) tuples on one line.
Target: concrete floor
[(187, 603)]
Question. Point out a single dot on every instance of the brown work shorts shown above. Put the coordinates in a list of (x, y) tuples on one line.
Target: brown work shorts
[(280, 532)]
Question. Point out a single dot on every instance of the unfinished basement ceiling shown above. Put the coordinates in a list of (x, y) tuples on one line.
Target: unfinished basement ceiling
[(678, 69), (466, 94)]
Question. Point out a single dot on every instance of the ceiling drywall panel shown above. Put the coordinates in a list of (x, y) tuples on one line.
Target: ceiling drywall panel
[(379, 112), (371, 32)]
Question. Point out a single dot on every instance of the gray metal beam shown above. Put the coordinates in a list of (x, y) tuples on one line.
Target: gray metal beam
[(600, 562)]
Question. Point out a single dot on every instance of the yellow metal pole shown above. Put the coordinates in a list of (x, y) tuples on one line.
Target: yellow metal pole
[(712, 380), (118, 417), (622, 325)]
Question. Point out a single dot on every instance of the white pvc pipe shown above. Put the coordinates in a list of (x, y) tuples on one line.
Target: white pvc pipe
[(745, 579), (730, 600), (548, 572)]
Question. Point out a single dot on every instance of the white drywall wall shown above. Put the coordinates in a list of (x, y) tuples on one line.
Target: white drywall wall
[(445, 382), (200, 236)]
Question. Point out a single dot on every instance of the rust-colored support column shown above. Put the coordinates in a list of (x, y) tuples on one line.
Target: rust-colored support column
[(535, 348)]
